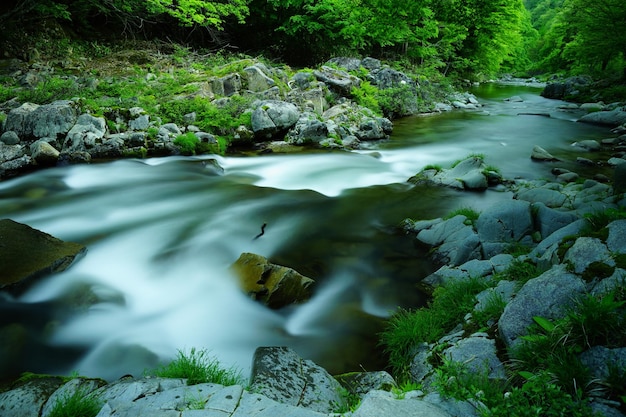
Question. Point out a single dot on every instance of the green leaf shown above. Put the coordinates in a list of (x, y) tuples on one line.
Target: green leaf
[(544, 323), (526, 375)]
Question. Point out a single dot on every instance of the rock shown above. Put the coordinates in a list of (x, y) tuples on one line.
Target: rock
[(347, 63), (276, 286), (141, 122), (34, 121), (567, 177), (549, 197), (588, 145), (614, 162), (611, 118), (616, 241), (384, 404), (599, 358), (272, 117), (540, 154), (404, 90), (10, 138), (453, 406), (504, 289), (281, 375), (370, 129), (561, 89), (85, 134), (28, 399), (227, 85), (549, 220), (514, 99), (478, 354), (546, 249), (303, 80), (588, 252), (44, 154), (10, 152), (307, 130), (592, 107), (548, 296), (501, 224), (468, 174), (360, 383), (455, 241), (28, 254), (337, 80), (75, 386), (260, 406), (257, 80)]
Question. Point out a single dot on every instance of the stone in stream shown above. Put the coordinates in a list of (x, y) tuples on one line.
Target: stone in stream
[(27, 254), (540, 154), (274, 285)]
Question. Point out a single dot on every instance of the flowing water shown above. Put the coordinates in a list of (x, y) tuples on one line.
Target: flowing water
[(162, 233)]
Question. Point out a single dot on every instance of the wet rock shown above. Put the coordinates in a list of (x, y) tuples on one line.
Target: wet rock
[(274, 285), (569, 86), (469, 174), (549, 220), (35, 121), (616, 240), (27, 254), (548, 196), (307, 130), (586, 254), (82, 386), (549, 296), (540, 154), (281, 375), (28, 399), (590, 145), (455, 241), (514, 99), (611, 118), (44, 154), (10, 138)]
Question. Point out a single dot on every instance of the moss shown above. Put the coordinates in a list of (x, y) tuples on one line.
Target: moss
[(597, 270)]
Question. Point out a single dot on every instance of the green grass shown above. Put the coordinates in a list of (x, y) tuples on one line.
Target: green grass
[(78, 404), (199, 367), (407, 329), (471, 214), (519, 271)]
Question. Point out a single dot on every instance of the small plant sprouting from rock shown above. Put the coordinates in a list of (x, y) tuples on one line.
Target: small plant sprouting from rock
[(199, 367), (470, 214)]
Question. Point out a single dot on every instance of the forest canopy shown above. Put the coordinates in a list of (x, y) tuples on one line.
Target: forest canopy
[(470, 38)]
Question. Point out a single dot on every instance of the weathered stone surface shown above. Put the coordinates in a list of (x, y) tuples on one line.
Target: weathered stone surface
[(588, 145), (360, 383), (28, 400), (548, 296), (85, 134), (611, 118), (338, 80), (468, 174), (307, 130), (10, 138), (259, 406), (383, 404), (34, 121), (26, 254), (281, 375), (272, 117), (44, 154), (454, 407), (256, 79), (549, 197), (455, 241), (504, 290), (599, 358), (502, 224), (548, 220), (82, 386), (274, 285), (587, 251), (616, 241), (478, 354)]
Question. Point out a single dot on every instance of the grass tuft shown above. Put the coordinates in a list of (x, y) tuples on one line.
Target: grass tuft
[(79, 404), (199, 367)]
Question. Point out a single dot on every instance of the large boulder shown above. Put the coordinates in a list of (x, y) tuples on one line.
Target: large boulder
[(307, 131), (337, 80), (478, 354), (548, 296), (469, 174), (549, 220), (567, 87), (47, 121), (455, 241), (28, 399), (611, 118), (256, 78), (502, 224), (272, 117), (27, 254), (274, 285), (282, 375), (385, 404)]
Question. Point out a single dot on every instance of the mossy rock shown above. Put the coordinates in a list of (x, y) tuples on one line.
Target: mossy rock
[(27, 254)]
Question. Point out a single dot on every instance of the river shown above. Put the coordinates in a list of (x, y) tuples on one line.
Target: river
[(162, 233)]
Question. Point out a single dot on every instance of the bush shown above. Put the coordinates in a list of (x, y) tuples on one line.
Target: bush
[(198, 368), (187, 143)]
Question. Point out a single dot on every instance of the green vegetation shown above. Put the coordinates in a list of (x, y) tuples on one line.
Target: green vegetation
[(407, 329), (471, 214), (199, 367), (79, 404)]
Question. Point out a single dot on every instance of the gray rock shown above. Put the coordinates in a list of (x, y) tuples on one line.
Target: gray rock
[(80, 386), (615, 281), (347, 63), (50, 120), (28, 400), (337, 80), (17, 120), (567, 177), (384, 404), (588, 145), (540, 154), (257, 80), (128, 390), (227, 85), (360, 383), (281, 375), (142, 122), (589, 107), (550, 198), (599, 358), (303, 79), (456, 242), (274, 285), (44, 154), (370, 129), (454, 407), (514, 99), (10, 152), (611, 118), (587, 251), (272, 117), (560, 89), (478, 354), (503, 223), (421, 366), (404, 87), (259, 406), (548, 220), (550, 242), (549, 295), (308, 130), (85, 134), (371, 64), (616, 241), (10, 138), (505, 290)]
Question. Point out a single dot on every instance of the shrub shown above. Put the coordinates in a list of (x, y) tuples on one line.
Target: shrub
[(187, 143), (198, 367), (78, 404), (365, 95)]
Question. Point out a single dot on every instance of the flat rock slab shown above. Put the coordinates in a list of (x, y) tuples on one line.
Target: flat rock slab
[(27, 254)]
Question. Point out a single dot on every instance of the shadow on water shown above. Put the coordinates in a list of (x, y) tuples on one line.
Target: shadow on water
[(161, 234)]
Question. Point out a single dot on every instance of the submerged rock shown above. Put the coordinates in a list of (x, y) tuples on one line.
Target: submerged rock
[(27, 254)]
